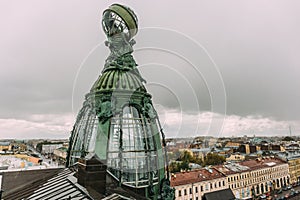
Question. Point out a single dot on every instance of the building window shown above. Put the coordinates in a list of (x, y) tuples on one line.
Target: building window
[(185, 192), (219, 183), (191, 192), (201, 188), (223, 183), (179, 193), (196, 189)]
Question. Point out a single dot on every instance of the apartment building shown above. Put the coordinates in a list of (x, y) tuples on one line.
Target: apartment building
[(245, 179), (294, 168), (255, 177), (192, 185)]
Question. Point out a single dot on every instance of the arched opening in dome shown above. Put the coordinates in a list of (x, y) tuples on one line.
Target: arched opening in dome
[(132, 155)]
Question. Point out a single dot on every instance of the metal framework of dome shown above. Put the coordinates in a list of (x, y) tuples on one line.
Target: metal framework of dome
[(118, 122)]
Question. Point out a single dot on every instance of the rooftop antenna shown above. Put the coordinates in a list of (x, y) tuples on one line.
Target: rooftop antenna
[(290, 129)]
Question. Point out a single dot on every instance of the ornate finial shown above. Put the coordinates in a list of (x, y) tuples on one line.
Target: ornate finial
[(119, 19), (120, 26)]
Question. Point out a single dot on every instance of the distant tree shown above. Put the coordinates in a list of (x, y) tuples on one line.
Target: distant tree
[(183, 161), (288, 138), (185, 156), (39, 147), (184, 165), (173, 167), (213, 159), (178, 166)]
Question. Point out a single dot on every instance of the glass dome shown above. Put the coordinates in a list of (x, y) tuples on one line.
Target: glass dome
[(118, 123), (132, 149)]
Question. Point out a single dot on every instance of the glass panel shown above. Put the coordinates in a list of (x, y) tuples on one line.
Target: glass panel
[(150, 139), (132, 127), (132, 149), (92, 140), (113, 164), (114, 138), (80, 133)]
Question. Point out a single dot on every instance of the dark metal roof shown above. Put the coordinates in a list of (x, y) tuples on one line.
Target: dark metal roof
[(50, 184), (62, 186), (114, 197), (21, 184), (54, 184), (219, 195)]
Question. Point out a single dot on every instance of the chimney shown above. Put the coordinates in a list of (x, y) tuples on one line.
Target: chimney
[(92, 173)]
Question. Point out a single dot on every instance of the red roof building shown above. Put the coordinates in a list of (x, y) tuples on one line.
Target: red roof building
[(194, 184)]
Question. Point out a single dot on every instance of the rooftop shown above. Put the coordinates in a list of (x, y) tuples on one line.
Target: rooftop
[(219, 195), (249, 165), (183, 178), (62, 186), (201, 150), (54, 184), (4, 143)]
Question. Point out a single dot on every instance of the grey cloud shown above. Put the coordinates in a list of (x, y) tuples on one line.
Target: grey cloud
[(254, 44)]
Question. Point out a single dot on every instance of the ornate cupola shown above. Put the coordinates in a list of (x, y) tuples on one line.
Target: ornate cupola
[(118, 124)]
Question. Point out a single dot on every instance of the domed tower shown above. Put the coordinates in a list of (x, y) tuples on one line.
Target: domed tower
[(117, 124)]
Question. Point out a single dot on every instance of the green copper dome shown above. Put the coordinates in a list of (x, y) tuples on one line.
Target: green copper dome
[(118, 123), (112, 80)]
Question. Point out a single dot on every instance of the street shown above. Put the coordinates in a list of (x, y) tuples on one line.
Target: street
[(284, 193)]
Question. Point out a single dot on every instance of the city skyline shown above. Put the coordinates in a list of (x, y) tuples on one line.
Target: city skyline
[(253, 45)]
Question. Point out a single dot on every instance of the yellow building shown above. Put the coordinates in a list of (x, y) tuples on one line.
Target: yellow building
[(233, 144), (255, 177), (245, 179), (61, 155), (294, 168), (235, 157), (200, 153), (18, 147), (5, 146)]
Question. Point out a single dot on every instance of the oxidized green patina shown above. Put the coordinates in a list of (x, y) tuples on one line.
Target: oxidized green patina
[(118, 105)]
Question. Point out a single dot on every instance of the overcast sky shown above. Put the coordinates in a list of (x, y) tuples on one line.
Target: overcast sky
[(218, 68)]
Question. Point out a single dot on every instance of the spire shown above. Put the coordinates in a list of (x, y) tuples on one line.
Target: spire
[(120, 69), (120, 26)]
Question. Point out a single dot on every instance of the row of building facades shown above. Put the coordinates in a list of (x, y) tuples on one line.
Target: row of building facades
[(246, 179)]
